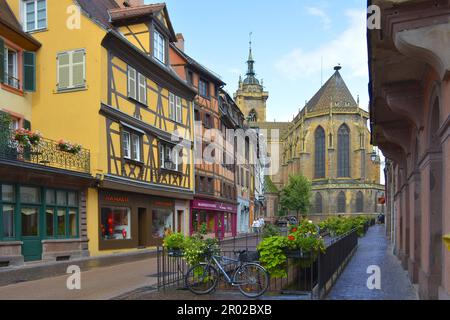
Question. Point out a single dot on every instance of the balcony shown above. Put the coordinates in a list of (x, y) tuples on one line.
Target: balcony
[(46, 153)]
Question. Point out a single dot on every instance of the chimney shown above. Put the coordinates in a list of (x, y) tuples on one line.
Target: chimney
[(180, 42), (129, 3)]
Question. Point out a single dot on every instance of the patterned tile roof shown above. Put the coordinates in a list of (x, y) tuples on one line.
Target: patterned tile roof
[(334, 93)]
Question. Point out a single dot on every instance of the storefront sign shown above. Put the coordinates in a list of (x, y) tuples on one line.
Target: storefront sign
[(162, 204), (213, 206), (117, 199)]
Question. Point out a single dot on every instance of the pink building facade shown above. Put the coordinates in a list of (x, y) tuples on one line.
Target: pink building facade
[(409, 63)]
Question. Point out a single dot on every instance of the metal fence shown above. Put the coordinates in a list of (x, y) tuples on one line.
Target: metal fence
[(301, 280), (336, 253)]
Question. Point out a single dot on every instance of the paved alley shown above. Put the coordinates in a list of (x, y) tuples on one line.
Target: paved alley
[(373, 250)]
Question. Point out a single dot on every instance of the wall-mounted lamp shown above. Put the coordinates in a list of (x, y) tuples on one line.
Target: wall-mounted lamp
[(447, 241)]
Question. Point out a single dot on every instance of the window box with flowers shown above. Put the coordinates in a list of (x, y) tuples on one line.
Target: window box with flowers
[(26, 138), (68, 147)]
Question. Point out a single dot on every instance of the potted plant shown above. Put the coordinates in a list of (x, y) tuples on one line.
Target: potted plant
[(304, 243), (66, 146), (195, 249), (272, 255), (175, 244)]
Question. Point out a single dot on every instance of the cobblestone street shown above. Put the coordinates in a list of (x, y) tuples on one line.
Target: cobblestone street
[(373, 250)]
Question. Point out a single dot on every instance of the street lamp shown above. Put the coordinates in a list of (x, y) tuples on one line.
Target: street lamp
[(374, 156), (447, 241)]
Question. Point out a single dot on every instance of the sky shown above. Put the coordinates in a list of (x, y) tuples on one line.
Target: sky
[(296, 44), (290, 39)]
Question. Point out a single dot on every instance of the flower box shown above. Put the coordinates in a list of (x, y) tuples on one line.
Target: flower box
[(26, 138), (176, 253), (69, 148), (297, 254)]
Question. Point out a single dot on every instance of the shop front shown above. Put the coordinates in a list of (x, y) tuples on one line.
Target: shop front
[(40, 223), (217, 219), (132, 221)]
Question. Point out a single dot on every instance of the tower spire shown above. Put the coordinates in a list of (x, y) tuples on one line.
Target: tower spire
[(250, 76), (250, 61)]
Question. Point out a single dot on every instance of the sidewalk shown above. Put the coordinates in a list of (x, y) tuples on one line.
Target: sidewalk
[(96, 284), (373, 250)]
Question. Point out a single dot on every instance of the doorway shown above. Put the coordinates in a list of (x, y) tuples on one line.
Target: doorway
[(180, 221), (31, 233), (142, 222)]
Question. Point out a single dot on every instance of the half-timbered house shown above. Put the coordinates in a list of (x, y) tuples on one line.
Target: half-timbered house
[(215, 204), (106, 82)]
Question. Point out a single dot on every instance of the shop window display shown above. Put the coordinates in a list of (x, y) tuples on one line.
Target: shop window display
[(116, 223), (162, 222)]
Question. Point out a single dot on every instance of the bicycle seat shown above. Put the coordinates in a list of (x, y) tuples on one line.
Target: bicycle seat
[(239, 252)]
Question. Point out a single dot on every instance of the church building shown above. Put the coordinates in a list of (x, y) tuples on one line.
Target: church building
[(328, 142)]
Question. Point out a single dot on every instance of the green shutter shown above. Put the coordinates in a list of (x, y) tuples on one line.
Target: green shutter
[(2, 60), (26, 125), (29, 71)]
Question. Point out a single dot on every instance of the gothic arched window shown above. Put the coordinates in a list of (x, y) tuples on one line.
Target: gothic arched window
[(253, 116), (318, 203), (342, 202), (344, 152), (320, 153), (359, 202)]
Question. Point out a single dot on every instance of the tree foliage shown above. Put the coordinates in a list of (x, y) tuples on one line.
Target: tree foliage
[(296, 196)]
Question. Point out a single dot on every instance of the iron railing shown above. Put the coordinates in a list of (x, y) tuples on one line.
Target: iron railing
[(335, 256), (300, 280), (46, 153)]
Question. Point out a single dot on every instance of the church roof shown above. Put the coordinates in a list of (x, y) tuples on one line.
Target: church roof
[(334, 93)]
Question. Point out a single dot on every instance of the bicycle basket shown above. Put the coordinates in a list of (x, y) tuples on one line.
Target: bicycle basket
[(249, 256)]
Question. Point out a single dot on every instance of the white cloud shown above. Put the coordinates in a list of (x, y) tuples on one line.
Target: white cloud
[(317, 12), (349, 49)]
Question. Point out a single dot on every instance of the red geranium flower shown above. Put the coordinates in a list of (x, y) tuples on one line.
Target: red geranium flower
[(294, 230), (291, 238)]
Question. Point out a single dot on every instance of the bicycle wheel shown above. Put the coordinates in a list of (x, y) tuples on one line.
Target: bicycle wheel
[(202, 279), (252, 280)]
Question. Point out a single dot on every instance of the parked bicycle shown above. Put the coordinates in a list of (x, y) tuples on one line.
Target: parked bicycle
[(250, 277)]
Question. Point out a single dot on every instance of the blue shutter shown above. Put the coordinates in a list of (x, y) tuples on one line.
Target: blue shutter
[(29, 71)]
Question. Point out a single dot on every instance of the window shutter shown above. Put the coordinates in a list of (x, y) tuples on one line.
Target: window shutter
[(142, 89), (161, 156), (131, 83), (26, 125), (171, 106), (179, 110), (29, 71), (78, 68), (63, 71), (2, 61)]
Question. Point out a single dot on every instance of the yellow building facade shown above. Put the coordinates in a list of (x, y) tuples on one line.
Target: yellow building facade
[(108, 87)]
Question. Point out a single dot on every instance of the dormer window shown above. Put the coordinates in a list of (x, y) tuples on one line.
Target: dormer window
[(159, 50)]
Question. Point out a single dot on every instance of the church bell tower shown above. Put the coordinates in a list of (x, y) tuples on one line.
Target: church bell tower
[(250, 96)]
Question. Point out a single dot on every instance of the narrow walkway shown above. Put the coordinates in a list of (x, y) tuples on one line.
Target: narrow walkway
[(373, 250)]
